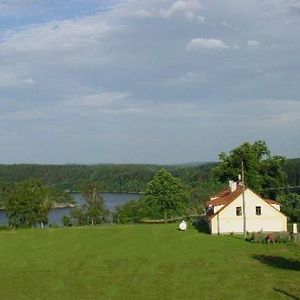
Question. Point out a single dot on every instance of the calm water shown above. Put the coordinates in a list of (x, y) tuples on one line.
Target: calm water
[(55, 215)]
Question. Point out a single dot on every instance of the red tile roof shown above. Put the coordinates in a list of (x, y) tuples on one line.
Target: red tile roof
[(225, 197)]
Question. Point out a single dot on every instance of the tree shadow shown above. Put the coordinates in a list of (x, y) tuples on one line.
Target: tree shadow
[(279, 262), (201, 225), (286, 294)]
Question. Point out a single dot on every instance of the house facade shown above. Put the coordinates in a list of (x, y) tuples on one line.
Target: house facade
[(224, 212)]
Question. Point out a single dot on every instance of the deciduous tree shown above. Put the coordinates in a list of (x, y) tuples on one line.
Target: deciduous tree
[(166, 193), (93, 211), (262, 170), (29, 203)]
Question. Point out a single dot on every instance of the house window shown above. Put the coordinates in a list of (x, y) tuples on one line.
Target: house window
[(238, 211), (258, 210)]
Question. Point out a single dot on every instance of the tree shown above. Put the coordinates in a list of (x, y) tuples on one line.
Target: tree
[(93, 211), (67, 222), (165, 193), (262, 171), (28, 204), (202, 192), (291, 205), (130, 212), (5, 189)]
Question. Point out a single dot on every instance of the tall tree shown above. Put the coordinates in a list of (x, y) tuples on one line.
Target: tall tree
[(29, 203), (93, 211), (166, 193), (262, 170)]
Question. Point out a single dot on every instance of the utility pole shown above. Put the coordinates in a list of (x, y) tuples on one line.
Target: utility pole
[(243, 195)]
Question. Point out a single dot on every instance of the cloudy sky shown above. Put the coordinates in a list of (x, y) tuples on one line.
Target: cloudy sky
[(147, 81)]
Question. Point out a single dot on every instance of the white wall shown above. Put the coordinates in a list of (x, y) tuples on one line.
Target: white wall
[(277, 206), (217, 208), (269, 220)]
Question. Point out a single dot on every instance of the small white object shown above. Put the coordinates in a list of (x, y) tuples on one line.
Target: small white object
[(232, 185), (183, 225), (295, 228)]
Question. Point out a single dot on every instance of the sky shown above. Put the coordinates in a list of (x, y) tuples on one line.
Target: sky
[(147, 81)]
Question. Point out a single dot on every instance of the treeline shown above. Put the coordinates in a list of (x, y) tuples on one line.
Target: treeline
[(28, 192), (120, 178), (113, 178)]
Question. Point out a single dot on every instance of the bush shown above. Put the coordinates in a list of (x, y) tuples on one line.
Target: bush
[(264, 237), (282, 237), (67, 222)]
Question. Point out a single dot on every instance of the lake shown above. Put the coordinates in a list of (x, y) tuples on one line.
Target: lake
[(111, 200)]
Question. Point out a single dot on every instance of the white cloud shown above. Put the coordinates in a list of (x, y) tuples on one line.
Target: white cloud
[(201, 19), (13, 7), (236, 46), (126, 70), (100, 100), (252, 44), (206, 44), (55, 36), (24, 115), (187, 8), (28, 80), (9, 79), (143, 13), (188, 79), (295, 4), (102, 103)]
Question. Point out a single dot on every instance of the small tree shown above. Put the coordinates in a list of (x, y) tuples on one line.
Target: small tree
[(29, 203), (93, 211), (67, 222), (166, 193), (132, 211)]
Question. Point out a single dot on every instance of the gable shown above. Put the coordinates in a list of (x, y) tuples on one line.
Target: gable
[(252, 201)]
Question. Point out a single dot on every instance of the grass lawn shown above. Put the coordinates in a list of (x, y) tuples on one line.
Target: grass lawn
[(143, 262)]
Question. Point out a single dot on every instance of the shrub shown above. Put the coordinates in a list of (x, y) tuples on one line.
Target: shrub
[(67, 222), (263, 237)]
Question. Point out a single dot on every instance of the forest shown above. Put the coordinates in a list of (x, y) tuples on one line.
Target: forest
[(168, 191), (124, 177), (113, 178)]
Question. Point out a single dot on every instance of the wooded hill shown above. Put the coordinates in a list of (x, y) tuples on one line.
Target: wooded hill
[(118, 178), (113, 178)]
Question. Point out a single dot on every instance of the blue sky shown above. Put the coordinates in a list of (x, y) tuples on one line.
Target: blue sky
[(147, 81)]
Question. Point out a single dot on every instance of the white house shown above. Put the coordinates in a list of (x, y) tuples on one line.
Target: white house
[(224, 212)]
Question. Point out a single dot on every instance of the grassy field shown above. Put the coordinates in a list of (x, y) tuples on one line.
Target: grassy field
[(143, 262)]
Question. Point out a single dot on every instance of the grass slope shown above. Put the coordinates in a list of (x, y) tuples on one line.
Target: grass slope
[(143, 262)]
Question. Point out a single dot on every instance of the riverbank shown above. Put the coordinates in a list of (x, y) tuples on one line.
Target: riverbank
[(64, 209)]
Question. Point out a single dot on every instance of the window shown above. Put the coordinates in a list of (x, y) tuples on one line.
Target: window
[(258, 210), (239, 211)]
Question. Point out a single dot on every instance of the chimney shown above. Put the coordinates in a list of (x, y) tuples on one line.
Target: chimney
[(232, 185)]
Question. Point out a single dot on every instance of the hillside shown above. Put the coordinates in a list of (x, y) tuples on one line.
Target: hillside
[(121, 178), (143, 262)]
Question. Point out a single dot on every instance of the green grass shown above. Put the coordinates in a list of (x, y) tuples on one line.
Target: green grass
[(143, 262)]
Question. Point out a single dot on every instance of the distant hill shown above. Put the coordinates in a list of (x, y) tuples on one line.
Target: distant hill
[(113, 177), (119, 177), (194, 164)]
